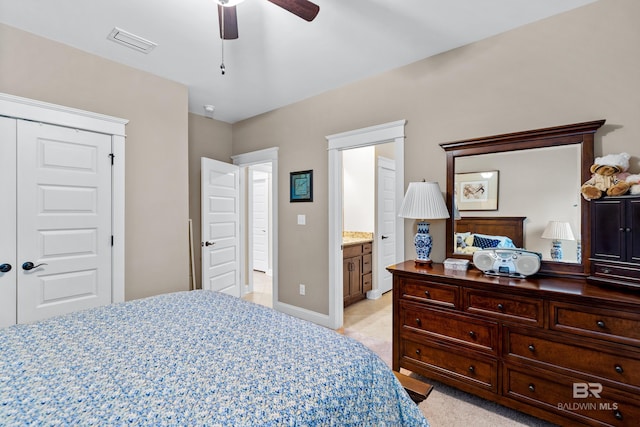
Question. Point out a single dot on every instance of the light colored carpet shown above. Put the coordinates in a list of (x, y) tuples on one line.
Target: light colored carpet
[(449, 407)]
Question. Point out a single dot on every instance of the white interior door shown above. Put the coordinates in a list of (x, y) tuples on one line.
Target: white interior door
[(8, 268), (63, 220), (220, 226), (260, 215), (386, 223)]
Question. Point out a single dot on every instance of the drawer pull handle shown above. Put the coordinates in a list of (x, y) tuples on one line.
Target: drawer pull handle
[(472, 334), (501, 307), (532, 388), (600, 324), (418, 352), (418, 321), (472, 369), (427, 294), (532, 348), (619, 369), (618, 414), (606, 271)]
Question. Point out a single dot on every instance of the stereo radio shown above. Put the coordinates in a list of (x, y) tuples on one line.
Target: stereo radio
[(517, 263)]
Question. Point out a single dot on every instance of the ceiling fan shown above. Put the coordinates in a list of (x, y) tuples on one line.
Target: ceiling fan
[(227, 18)]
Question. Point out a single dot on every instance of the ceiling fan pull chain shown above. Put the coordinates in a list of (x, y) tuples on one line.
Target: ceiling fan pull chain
[(222, 67)]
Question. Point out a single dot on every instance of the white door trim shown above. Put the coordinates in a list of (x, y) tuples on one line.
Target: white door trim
[(29, 109), (373, 135), (268, 155)]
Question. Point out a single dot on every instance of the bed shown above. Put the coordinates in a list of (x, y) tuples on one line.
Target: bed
[(474, 233), (193, 358)]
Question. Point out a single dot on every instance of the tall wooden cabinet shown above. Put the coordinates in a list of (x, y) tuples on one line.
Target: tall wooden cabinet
[(560, 349), (615, 241)]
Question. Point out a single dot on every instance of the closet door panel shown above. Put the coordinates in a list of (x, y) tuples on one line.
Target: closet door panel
[(8, 221), (64, 220)]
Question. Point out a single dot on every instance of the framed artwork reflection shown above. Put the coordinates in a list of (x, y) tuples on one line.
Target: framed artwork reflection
[(301, 186), (477, 191)]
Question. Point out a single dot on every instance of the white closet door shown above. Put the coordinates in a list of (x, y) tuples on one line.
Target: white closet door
[(8, 221), (260, 212), (64, 220)]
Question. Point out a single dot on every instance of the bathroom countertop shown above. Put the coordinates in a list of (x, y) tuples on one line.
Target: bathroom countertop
[(356, 237), (346, 241)]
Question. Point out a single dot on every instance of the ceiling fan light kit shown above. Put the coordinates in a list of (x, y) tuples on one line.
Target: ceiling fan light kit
[(228, 19), (228, 3)]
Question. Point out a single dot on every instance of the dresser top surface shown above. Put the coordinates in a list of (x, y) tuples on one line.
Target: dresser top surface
[(537, 284)]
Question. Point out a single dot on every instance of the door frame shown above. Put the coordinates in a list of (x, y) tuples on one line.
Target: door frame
[(243, 161), (28, 109), (373, 135)]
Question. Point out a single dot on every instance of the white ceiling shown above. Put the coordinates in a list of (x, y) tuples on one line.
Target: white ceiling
[(278, 58)]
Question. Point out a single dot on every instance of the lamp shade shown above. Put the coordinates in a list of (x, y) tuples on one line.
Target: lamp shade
[(558, 230), (423, 201)]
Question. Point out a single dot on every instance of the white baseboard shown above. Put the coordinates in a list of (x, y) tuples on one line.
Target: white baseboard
[(303, 313)]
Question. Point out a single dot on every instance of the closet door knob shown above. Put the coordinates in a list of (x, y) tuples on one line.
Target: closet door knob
[(5, 268), (30, 266)]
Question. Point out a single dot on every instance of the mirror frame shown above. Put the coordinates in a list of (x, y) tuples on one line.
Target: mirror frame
[(578, 133)]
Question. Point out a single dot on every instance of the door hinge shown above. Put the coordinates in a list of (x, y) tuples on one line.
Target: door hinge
[(112, 157), (112, 240)]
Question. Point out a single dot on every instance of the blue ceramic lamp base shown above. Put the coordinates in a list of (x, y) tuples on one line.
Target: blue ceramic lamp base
[(423, 244)]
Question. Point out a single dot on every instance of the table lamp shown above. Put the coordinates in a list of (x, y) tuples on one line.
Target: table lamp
[(423, 201), (557, 231)]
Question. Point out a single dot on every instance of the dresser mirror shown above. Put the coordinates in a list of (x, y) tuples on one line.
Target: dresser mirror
[(540, 173)]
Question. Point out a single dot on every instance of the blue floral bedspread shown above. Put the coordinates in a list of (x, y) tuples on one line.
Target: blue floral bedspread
[(196, 358)]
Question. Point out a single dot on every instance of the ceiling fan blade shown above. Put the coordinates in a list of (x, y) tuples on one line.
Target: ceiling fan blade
[(230, 22), (302, 8)]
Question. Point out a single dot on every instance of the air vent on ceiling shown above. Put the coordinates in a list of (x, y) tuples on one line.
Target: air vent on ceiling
[(127, 39)]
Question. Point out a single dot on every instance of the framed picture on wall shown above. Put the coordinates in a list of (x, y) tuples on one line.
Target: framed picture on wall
[(477, 191), (301, 186)]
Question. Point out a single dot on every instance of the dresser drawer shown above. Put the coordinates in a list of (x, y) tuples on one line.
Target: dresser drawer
[(556, 393), (611, 325), (449, 326), (367, 283), (366, 264), (367, 248), (446, 362), (616, 274), (429, 292), (618, 366), (351, 251), (519, 309)]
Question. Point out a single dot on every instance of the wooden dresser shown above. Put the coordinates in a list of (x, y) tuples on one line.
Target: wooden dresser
[(560, 349)]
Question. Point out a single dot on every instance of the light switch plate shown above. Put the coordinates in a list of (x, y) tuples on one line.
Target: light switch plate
[(302, 219)]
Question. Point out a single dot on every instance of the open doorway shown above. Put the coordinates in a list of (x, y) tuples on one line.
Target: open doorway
[(260, 230), (372, 136), (369, 219), (259, 235)]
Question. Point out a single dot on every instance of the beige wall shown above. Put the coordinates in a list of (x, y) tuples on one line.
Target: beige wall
[(157, 257), (207, 138), (579, 66)]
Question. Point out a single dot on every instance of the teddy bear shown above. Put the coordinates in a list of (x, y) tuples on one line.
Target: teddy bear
[(608, 177), (634, 183)]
